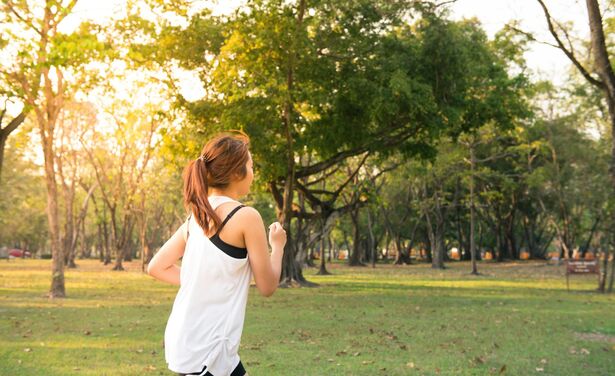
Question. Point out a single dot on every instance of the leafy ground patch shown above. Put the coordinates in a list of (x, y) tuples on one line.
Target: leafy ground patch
[(515, 319)]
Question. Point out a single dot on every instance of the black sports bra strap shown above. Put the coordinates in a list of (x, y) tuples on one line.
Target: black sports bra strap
[(188, 226), (227, 218)]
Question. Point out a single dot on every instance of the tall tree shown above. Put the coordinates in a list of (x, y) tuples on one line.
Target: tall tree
[(600, 74), (44, 56)]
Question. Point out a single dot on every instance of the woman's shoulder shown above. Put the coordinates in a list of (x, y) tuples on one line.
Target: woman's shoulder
[(239, 210), (248, 212)]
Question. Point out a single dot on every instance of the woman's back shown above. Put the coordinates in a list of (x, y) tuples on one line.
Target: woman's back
[(209, 310)]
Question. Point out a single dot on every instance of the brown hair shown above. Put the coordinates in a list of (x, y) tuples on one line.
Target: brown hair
[(223, 158)]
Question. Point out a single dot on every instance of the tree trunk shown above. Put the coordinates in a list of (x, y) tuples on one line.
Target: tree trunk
[(437, 261), (371, 246), (604, 68), (69, 225), (499, 252), (472, 244), (106, 240), (143, 239), (530, 240), (604, 270), (511, 242), (355, 256), (480, 242), (589, 238), (403, 253), (610, 289), (291, 269), (323, 268), (6, 131), (436, 242), (83, 244), (119, 258), (57, 289), (78, 227)]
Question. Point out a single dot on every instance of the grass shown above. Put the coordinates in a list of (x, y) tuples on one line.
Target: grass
[(515, 319)]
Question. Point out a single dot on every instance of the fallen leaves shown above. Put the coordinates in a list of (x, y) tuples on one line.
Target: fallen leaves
[(391, 336), (582, 351)]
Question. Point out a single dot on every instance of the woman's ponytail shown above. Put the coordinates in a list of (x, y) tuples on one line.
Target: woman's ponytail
[(195, 195)]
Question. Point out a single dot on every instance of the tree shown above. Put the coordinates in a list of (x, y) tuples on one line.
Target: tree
[(600, 75), (330, 82), (43, 70), (74, 120), (120, 159)]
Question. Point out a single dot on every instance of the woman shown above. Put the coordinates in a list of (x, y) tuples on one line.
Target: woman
[(222, 244)]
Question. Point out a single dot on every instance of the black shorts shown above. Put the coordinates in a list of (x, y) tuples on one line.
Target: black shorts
[(238, 371)]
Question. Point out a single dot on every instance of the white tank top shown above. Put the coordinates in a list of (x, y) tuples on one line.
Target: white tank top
[(205, 325)]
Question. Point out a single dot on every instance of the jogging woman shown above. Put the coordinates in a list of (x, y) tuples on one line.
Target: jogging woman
[(222, 245)]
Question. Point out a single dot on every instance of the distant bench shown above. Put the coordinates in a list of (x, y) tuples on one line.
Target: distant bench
[(581, 267)]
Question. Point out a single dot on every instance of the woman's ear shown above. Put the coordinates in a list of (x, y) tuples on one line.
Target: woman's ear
[(237, 177)]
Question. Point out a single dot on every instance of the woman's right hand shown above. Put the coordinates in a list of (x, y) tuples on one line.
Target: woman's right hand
[(277, 236)]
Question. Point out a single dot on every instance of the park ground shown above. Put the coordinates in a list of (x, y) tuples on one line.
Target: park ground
[(515, 319)]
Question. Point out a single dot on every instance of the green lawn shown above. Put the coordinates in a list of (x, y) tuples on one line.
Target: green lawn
[(515, 319)]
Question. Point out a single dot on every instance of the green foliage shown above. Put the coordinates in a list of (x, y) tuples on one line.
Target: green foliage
[(362, 78), (78, 48)]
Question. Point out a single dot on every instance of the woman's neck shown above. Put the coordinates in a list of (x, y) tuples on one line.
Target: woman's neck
[(226, 192)]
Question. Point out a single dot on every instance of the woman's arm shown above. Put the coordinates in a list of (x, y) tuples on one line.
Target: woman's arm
[(162, 266), (266, 268)]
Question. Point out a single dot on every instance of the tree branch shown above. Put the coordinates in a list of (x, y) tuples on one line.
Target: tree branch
[(566, 51), (26, 20), (531, 36), (343, 185), (13, 124)]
